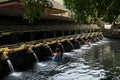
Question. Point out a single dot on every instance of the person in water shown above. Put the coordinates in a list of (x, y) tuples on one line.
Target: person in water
[(88, 43), (57, 55)]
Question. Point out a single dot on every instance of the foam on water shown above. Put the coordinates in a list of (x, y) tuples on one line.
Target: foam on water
[(94, 44), (85, 47), (78, 50), (16, 74), (68, 54), (41, 64)]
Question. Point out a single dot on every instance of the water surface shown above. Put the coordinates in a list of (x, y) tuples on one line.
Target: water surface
[(101, 61)]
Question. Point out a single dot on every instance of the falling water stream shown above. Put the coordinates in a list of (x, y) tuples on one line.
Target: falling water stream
[(36, 58), (12, 71), (62, 47), (78, 43), (40, 64), (71, 44), (99, 62), (10, 65), (50, 49)]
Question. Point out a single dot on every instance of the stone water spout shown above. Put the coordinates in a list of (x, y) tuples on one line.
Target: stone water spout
[(5, 54), (61, 46), (49, 48), (100, 36), (78, 43), (34, 54), (71, 44)]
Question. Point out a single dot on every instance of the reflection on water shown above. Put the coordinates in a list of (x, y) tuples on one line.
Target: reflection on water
[(99, 62)]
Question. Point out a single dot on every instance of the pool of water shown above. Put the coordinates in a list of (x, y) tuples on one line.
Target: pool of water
[(101, 61)]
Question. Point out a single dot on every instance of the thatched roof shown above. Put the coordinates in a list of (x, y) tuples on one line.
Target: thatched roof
[(3, 1), (16, 5), (57, 5)]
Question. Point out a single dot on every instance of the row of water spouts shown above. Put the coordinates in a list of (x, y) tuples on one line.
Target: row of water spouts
[(30, 49), (34, 54)]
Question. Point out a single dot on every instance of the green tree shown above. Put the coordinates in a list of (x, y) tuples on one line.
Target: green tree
[(85, 11), (118, 18), (34, 8), (88, 10)]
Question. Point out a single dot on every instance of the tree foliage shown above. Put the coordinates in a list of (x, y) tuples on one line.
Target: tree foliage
[(88, 10), (34, 8), (85, 11), (118, 18)]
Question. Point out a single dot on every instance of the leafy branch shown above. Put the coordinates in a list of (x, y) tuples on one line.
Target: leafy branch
[(34, 8)]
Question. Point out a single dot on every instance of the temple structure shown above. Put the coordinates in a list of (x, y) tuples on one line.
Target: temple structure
[(14, 29), (15, 7)]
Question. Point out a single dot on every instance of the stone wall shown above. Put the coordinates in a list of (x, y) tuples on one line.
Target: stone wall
[(14, 29), (46, 23)]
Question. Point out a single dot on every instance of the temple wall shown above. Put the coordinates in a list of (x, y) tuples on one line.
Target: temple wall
[(14, 29), (46, 23), (50, 30)]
